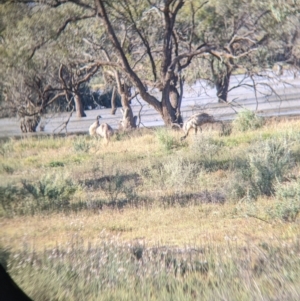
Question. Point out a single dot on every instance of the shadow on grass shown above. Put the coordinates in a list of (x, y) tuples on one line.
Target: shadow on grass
[(186, 199), (98, 182)]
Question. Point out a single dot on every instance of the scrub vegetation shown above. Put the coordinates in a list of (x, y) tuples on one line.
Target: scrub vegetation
[(151, 217)]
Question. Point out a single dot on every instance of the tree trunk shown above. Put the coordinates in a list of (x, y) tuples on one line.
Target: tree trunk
[(113, 101), (28, 124), (78, 106), (222, 86), (128, 121), (170, 105)]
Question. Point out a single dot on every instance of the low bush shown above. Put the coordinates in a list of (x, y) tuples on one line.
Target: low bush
[(56, 164), (267, 162), (6, 148), (206, 147), (80, 144), (6, 168), (175, 173), (166, 140), (247, 120), (9, 198), (287, 201), (52, 192)]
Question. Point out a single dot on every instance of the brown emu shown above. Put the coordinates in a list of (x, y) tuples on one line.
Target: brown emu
[(196, 121), (103, 130)]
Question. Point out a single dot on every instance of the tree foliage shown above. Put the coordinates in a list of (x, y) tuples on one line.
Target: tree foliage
[(150, 47)]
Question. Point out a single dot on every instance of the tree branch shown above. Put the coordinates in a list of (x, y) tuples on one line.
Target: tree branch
[(125, 64), (58, 32)]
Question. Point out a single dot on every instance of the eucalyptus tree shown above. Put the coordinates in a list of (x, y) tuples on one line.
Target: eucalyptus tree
[(285, 33), (136, 40), (37, 68), (150, 45), (150, 57), (253, 34), (236, 27)]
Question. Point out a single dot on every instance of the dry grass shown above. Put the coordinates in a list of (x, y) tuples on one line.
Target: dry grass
[(192, 225), (141, 170)]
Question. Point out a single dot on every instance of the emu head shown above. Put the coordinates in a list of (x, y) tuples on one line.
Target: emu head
[(98, 117)]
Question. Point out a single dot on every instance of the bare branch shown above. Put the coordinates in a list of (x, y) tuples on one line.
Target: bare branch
[(190, 55), (65, 123), (58, 32), (92, 70)]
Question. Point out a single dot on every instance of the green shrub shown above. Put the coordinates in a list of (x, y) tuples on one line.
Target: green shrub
[(51, 192), (226, 130), (56, 164), (6, 168), (80, 144), (174, 173), (287, 204), (207, 148), (9, 196), (166, 141), (5, 148), (113, 185), (266, 162), (247, 120)]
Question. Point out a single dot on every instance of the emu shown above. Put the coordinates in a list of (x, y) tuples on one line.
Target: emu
[(103, 130), (195, 121)]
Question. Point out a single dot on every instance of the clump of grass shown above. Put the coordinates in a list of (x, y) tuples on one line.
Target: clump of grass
[(51, 192), (80, 144), (120, 189), (173, 173), (5, 148), (9, 197), (226, 129), (7, 168), (247, 120), (267, 162), (40, 143), (113, 185)]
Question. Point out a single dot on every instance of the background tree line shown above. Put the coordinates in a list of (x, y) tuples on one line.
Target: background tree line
[(54, 54)]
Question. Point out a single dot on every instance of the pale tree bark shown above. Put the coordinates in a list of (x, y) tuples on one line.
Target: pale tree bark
[(78, 105), (113, 101), (128, 121)]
